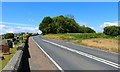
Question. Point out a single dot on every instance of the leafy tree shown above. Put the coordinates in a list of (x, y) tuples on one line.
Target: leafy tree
[(89, 30), (44, 25), (83, 29), (47, 20), (8, 35), (62, 24), (112, 30)]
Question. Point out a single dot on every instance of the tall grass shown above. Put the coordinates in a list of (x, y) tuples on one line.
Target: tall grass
[(90, 35), (80, 36)]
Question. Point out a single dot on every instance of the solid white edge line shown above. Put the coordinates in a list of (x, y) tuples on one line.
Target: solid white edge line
[(86, 55), (48, 56)]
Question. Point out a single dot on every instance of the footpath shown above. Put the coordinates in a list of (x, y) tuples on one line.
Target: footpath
[(37, 59)]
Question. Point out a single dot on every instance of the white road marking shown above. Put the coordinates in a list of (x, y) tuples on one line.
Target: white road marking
[(48, 56), (93, 48), (86, 55)]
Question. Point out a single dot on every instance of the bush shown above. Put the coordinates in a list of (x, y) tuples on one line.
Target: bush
[(62, 24), (112, 30), (25, 36), (8, 35)]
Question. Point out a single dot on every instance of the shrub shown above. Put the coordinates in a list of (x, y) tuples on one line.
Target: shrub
[(112, 30), (8, 35)]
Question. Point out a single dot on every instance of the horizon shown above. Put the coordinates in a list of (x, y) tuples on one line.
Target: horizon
[(26, 16)]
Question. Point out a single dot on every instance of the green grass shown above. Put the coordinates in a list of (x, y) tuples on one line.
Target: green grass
[(80, 36), (77, 38), (90, 35)]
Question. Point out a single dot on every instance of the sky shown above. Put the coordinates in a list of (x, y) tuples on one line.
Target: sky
[(26, 16), (60, 0)]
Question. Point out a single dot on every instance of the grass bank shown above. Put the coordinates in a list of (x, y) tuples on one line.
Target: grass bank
[(95, 40)]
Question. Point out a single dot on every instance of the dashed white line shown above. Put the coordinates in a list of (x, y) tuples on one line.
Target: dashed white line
[(48, 56), (86, 55)]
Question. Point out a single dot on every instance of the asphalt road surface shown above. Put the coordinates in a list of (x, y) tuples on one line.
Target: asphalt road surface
[(67, 56)]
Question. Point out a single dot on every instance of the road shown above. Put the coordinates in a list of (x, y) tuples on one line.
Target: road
[(67, 56)]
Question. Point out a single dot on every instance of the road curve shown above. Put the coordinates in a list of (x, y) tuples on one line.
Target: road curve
[(74, 57)]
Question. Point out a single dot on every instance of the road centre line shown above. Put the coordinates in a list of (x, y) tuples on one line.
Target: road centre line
[(48, 56), (86, 55)]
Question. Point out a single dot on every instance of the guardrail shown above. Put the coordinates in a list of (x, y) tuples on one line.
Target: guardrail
[(14, 64)]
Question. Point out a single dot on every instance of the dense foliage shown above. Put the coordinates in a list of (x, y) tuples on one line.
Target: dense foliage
[(112, 30), (83, 29), (8, 35), (61, 24)]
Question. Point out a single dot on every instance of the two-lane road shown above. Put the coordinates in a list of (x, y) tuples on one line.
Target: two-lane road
[(74, 57)]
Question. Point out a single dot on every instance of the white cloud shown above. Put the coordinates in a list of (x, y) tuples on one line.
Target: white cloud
[(1, 26), (109, 24), (18, 24), (16, 28)]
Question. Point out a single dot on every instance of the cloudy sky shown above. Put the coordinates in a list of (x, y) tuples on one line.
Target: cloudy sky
[(26, 16)]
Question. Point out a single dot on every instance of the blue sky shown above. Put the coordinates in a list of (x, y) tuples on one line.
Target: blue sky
[(59, 0), (26, 16)]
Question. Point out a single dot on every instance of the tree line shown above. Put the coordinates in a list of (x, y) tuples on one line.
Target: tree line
[(62, 24)]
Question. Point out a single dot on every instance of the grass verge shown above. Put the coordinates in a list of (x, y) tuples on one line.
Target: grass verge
[(109, 45), (94, 40)]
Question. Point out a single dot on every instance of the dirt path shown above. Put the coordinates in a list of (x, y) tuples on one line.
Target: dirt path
[(37, 60)]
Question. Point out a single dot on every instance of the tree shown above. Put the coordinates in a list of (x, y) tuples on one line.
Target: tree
[(89, 30), (8, 35), (83, 29), (45, 24), (47, 20), (112, 30), (62, 24)]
